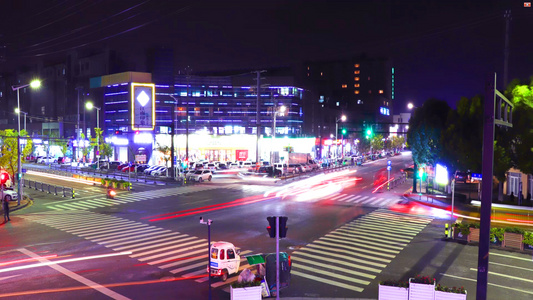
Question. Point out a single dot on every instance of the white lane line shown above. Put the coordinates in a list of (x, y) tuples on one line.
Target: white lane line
[(509, 266), (185, 261), (171, 252), (367, 201), (336, 197), (331, 274), (114, 229), (151, 241), (357, 237), (161, 244), (351, 247), (493, 284), (121, 223), (361, 199), (114, 237), (75, 276), (114, 233), (506, 276), (361, 245), (333, 251), (344, 198), (327, 281), (177, 263), (510, 256)]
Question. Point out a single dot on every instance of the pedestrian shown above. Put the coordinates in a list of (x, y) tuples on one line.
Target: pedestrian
[(5, 207)]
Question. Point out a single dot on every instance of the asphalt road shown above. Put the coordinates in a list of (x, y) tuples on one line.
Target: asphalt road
[(149, 243)]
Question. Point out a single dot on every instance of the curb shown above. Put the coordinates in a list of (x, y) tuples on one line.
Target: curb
[(29, 202)]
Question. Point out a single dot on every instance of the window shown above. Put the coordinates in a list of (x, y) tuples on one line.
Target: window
[(529, 185), (356, 79), (231, 254), (222, 256), (214, 252), (381, 91), (344, 86), (369, 78), (321, 73), (356, 92), (356, 85), (513, 180), (337, 103), (370, 91), (356, 72), (356, 65)]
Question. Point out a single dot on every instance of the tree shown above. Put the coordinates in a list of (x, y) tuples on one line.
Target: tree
[(397, 142), (85, 150), (165, 150), (377, 142), (425, 129), (9, 150)]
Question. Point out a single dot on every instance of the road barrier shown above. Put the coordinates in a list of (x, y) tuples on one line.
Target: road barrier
[(49, 188)]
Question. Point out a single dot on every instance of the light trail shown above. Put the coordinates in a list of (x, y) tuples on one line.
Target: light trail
[(77, 180)]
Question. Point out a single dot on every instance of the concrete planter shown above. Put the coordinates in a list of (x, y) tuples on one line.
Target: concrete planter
[(246, 293), (440, 295), (421, 291), (392, 292)]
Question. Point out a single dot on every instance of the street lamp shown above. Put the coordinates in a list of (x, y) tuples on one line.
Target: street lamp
[(342, 118), (18, 111), (89, 106), (275, 112), (410, 105), (34, 84)]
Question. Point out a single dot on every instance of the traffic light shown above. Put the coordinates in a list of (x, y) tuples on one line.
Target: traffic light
[(3, 177), (368, 133), (421, 173), (343, 131), (137, 132), (282, 227), (117, 132), (272, 228), (19, 176)]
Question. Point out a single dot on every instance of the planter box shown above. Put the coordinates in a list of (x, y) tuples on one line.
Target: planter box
[(458, 236), (528, 247), (439, 295), (392, 292), (421, 291), (474, 235), (513, 240), (246, 293)]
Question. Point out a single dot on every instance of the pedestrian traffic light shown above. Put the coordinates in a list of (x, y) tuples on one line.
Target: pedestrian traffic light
[(272, 226), (421, 173), (19, 176), (3, 177)]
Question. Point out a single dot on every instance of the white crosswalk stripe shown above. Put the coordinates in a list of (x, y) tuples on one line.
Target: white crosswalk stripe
[(122, 198), (178, 253), (351, 256), (372, 201)]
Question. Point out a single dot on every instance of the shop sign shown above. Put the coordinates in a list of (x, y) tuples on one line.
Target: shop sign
[(241, 154), (142, 106)]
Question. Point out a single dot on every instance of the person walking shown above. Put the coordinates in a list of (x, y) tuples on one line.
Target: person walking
[(5, 207)]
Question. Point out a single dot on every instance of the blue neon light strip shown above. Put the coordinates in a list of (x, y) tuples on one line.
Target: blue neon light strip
[(117, 93), (116, 102)]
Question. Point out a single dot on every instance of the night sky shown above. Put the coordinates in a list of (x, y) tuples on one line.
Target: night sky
[(441, 49)]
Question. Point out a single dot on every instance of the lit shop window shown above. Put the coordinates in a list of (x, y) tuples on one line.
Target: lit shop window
[(356, 79), (356, 72), (356, 65), (356, 85), (381, 91), (344, 86), (356, 92)]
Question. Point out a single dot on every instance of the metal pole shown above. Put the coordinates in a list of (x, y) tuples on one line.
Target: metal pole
[(78, 127), (209, 253), (25, 114), (277, 258), (187, 120), (19, 162), (257, 118), (336, 130), (508, 18), (453, 204), (98, 137), (172, 133), (486, 199)]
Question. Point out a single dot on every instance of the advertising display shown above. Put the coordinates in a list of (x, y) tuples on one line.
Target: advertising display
[(142, 106), (241, 155)]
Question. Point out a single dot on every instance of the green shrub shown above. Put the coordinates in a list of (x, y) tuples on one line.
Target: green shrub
[(514, 230), (456, 290), (496, 233), (464, 228), (236, 284), (398, 283), (528, 238)]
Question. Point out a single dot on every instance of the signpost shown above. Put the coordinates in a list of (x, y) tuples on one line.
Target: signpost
[(276, 232), (389, 167)]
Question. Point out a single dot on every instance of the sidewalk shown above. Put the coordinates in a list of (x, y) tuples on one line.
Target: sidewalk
[(26, 201)]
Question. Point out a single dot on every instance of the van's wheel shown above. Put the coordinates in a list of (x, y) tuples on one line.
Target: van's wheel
[(200, 179), (224, 276), (210, 177), (7, 198)]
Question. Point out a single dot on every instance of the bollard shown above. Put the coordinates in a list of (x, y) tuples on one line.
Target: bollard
[(64, 195), (48, 189), (55, 190), (446, 230), (42, 188), (73, 194)]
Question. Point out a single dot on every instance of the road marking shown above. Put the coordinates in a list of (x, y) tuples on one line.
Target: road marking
[(354, 234), (504, 275), (76, 277), (493, 284), (336, 197), (172, 252), (508, 266), (151, 242), (331, 260), (510, 256), (324, 272), (330, 282), (143, 237), (331, 250)]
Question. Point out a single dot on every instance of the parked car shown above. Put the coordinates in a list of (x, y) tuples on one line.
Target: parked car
[(149, 170), (201, 175), (113, 165), (123, 165), (314, 165), (234, 165), (222, 166), (247, 164), (461, 177), (130, 168), (160, 171), (10, 195), (45, 160), (211, 167), (293, 168), (281, 167), (270, 170), (141, 168)]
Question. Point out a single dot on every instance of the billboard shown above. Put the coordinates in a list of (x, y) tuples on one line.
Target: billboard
[(142, 106), (241, 155)]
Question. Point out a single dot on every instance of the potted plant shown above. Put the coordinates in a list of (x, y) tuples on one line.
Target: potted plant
[(393, 289), (528, 240), (473, 232), (421, 288), (449, 293), (461, 231), (249, 290)]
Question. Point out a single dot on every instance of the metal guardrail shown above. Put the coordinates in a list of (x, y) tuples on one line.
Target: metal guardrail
[(49, 188)]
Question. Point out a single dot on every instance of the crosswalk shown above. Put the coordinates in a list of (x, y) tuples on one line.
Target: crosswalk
[(178, 253), (372, 201), (259, 189), (99, 201), (351, 256)]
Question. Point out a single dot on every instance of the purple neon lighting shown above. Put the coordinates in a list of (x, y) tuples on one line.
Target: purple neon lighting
[(116, 102), (162, 86), (113, 94)]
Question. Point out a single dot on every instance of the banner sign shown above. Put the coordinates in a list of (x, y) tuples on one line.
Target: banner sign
[(142, 106)]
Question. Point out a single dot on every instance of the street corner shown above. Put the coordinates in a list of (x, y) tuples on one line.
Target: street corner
[(25, 202)]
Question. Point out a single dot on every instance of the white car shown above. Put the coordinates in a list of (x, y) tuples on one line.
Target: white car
[(234, 166), (200, 175), (159, 171), (45, 160), (10, 195)]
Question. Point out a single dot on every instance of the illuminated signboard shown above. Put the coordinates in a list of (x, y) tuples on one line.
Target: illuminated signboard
[(142, 106)]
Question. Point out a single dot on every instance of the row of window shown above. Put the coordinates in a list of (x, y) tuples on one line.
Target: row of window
[(369, 91)]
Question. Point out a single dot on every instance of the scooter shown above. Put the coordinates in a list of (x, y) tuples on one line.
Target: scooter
[(111, 193)]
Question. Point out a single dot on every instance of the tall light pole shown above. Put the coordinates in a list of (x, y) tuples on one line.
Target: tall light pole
[(173, 133), (275, 112), (208, 223), (342, 118), (34, 84), (89, 106), (17, 111)]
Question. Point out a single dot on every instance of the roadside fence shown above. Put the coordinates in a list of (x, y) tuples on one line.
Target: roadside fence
[(49, 188)]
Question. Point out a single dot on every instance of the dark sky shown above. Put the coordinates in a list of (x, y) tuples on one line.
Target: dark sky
[(441, 49)]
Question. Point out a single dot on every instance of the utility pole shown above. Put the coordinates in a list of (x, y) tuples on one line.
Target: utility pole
[(187, 70), (79, 88), (508, 18), (257, 116), (172, 133)]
